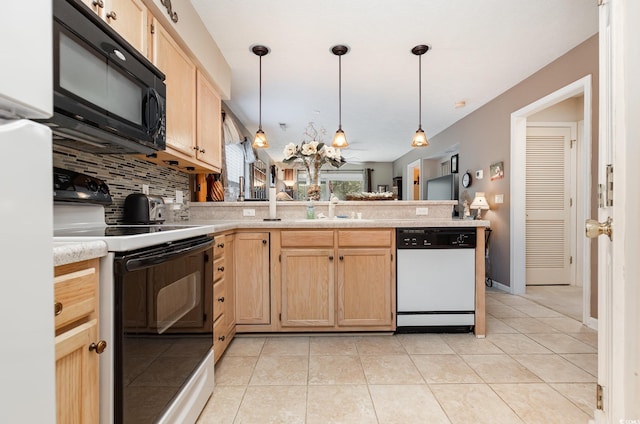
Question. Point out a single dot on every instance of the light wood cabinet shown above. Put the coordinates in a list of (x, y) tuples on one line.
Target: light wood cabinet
[(251, 270), (208, 146), (127, 17), (307, 287), (180, 80), (223, 299), (76, 343), (337, 280)]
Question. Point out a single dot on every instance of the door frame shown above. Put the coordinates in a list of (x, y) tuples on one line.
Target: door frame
[(518, 188), (410, 167)]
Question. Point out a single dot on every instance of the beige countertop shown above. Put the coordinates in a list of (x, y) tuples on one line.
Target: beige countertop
[(69, 252)]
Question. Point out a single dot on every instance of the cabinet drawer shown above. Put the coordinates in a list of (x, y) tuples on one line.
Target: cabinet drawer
[(218, 246), (219, 297), (368, 238), (220, 340), (218, 269), (75, 292), (313, 238)]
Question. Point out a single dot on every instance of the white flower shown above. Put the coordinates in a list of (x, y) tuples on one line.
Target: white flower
[(290, 150), (332, 152), (310, 148)]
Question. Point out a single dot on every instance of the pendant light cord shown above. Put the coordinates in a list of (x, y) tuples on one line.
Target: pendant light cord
[(340, 92), (260, 96), (420, 91)]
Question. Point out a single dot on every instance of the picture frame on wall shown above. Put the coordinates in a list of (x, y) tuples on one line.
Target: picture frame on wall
[(454, 164), (496, 170)]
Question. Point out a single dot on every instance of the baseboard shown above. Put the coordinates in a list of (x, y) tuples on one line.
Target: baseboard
[(503, 287), (592, 323)]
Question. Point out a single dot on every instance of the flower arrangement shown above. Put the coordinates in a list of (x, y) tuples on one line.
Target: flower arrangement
[(313, 154)]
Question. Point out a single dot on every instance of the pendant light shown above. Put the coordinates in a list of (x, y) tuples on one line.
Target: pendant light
[(340, 140), (420, 139), (260, 141)]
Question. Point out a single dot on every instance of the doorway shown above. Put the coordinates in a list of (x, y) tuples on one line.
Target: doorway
[(582, 201), (413, 180)]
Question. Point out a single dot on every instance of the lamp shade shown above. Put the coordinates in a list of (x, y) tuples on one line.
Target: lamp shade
[(480, 202), (260, 141), (340, 140), (419, 139)]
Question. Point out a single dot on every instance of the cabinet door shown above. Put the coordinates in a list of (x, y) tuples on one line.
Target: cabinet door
[(180, 80), (95, 5), (364, 287), (209, 123), (308, 287), (251, 269), (129, 19), (77, 375)]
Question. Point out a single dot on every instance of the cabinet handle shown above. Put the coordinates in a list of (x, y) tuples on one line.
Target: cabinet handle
[(221, 299), (112, 15), (196, 148), (98, 347), (57, 308), (221, 338), (202, 151), (98, 3), (264, 242), (220, 245), (330, 257), (341, 258), (221, 268)]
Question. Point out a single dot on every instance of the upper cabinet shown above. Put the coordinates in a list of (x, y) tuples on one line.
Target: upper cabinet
[(209, 123), (194, 114), (180, 74), (127, 17)]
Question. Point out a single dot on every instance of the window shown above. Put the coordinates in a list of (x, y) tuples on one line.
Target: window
[(234, 156), (341, 183)]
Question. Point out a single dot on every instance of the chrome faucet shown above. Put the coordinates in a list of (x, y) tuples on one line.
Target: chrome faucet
[(333, 201)]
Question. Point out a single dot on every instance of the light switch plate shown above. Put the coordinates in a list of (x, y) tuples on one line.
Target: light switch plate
[(248, 212), (479, 174), (499, 198), (422, 211), (179, 197), (145, 188)]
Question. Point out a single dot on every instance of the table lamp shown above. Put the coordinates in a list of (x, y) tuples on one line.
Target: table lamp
[(480, 203)]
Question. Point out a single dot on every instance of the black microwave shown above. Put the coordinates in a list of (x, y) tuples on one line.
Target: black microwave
[(107, 97)]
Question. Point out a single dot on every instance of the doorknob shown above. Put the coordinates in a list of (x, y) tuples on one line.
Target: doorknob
[(594, 228)]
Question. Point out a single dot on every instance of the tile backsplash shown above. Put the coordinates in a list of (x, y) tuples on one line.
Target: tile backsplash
[(125, 175)]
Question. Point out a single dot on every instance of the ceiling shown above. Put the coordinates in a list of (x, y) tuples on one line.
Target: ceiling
[(479, 49)]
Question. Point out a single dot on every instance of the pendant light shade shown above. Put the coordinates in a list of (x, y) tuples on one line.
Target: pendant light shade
[(340, 140), (420, 139), (260, 141)]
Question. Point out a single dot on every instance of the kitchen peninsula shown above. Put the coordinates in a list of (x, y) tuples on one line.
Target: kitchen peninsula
[(286, 279)]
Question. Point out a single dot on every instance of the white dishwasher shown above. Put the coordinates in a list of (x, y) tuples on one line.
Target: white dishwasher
[(435, 279)]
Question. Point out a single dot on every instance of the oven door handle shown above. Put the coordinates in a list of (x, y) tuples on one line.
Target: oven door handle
[(134, 264)]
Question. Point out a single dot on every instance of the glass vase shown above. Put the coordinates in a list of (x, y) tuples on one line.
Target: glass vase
[(313, 186)]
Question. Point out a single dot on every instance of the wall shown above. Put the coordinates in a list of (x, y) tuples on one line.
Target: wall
[(484, 137), (124, 175), (570, 110)]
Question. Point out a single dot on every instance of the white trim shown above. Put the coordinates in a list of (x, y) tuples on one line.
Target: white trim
[(409, 180), (500, 286), (592, 323), (518, 179)]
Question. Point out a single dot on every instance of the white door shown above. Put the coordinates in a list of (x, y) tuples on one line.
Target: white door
[(548, 205), (618, 174)]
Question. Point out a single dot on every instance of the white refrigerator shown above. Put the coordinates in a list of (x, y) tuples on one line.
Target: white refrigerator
[(27, 354)]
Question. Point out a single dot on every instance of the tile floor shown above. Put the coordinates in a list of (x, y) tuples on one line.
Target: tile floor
[(535, 366)]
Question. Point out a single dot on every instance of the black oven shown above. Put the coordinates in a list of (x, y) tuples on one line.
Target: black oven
[(108, 98), (163, 324)]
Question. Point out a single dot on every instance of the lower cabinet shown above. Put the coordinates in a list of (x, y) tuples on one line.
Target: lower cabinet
[(77, 344), (224, 327), (251, 272), (337, 280)]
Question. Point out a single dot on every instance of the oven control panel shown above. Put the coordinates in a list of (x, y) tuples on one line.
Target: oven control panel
[(71, 186)]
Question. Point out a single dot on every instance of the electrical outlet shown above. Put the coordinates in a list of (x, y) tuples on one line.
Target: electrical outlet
[(422, 211), (179, 197), (248, 212), (145, 188)]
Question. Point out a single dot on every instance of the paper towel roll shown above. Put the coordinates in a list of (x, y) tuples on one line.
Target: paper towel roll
[(272, 203)]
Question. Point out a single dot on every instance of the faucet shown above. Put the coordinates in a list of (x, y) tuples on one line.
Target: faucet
[(333, 201)]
